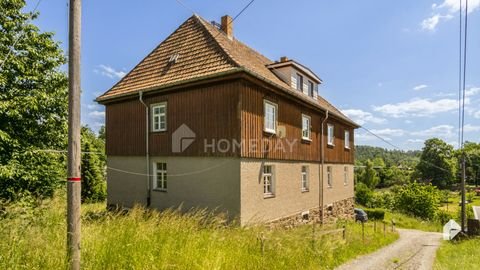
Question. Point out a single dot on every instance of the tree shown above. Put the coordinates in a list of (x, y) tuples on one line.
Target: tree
[(93, 167), (437, 163), (369, 176), (33, 106), (417, 199), (472, 162)]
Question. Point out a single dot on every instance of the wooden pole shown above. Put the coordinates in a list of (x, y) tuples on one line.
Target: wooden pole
[(463, 193), (74, 147)]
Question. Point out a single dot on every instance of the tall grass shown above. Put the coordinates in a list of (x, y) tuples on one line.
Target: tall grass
[(458, 255), (142, 239)]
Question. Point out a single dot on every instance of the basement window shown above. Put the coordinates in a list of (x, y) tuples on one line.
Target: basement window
[(160, 176), (345, 175), (159, 117)]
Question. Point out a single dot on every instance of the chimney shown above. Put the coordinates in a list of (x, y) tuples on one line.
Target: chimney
[(227, 26), (283, 59)]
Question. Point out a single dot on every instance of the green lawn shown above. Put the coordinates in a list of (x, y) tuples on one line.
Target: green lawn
[(453, 205), (458, 255), (408, 222), (151, 240)]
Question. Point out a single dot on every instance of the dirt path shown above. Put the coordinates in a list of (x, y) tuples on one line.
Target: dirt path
[(414, 250)]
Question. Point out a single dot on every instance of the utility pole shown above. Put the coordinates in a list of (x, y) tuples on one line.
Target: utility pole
[(74, 146), (463, 193)]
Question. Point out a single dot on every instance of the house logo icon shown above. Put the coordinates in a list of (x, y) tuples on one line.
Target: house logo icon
[(182, 138)]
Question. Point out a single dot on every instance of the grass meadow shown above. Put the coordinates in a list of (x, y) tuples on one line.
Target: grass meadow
[(141, 239)]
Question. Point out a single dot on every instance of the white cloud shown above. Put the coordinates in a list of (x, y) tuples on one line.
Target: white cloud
[(361, 117), (110, 72), (408, 121), (444, 131), (418, 107), (420, 87), (96, 114), (472, 91), (430, 24), (454, 5), (448, 8), (471, 128), (93, 106), (477, 115), (389, 132), (415, 141)]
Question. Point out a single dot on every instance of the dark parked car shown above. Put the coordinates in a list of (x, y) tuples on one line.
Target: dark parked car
[(360, 215)]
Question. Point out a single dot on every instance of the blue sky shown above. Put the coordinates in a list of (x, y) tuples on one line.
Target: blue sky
[(392, 66)]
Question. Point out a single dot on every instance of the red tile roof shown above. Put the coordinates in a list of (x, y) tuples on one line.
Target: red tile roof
[(203, 50)]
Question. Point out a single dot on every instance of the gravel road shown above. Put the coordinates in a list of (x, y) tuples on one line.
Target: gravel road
[(413, 250)]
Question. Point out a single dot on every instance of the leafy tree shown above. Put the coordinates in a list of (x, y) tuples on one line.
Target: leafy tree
[(437, 163), (93, 167), (369, 176), (416, 199), (472, 162), (101, 133), (363, 194), (33, 106)]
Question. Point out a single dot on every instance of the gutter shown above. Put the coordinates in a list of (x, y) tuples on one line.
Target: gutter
[(147, 154), (321, 201)]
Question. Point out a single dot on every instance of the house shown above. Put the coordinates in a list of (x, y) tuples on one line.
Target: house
[(205, 121)]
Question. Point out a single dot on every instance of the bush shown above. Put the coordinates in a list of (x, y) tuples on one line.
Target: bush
[(417, 199), (468, 209), (443, 217), (381, 200), (363, 194), (375, 214)]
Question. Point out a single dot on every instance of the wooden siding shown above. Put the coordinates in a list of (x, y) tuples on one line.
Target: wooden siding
[(289, 119), (210, 112), (229, 111)]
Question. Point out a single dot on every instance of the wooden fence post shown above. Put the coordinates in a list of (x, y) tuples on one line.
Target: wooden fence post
[(363, 232), (344, 232), (384, 229)]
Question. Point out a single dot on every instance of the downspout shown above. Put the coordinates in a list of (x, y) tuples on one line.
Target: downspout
[(321, 193), (147, 154)]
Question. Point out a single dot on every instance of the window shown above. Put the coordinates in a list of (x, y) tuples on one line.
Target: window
[(330, 134), (268, 181), (311, 88), (160, 174), (345, 175), (159, 117), (270, 119), (299, 82), (304, 178), (329, 176), (306, 127), (347, 139)]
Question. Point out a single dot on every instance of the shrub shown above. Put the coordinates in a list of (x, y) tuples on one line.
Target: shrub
[(443, 217), (417, 199), (375, 214), (363, 194), (468, 209), (381, 200), (470, 196)]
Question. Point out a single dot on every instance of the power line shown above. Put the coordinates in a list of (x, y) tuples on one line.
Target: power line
[(185, 6), (19, 36), (460, 78)]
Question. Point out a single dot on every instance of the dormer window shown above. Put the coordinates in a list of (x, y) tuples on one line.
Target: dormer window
[(299, 82), (311, 88)]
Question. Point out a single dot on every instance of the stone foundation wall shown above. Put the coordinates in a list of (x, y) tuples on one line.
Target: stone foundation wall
[(338, 210)]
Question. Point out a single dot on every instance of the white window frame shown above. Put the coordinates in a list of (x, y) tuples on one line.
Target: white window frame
[(268, 179), (306, 130), (347, 139), (331, 134), (300, 80), (159, 116), (266, 127), (329, 176), (345, 175), (305, 178), (311, 88), (160, 176)]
